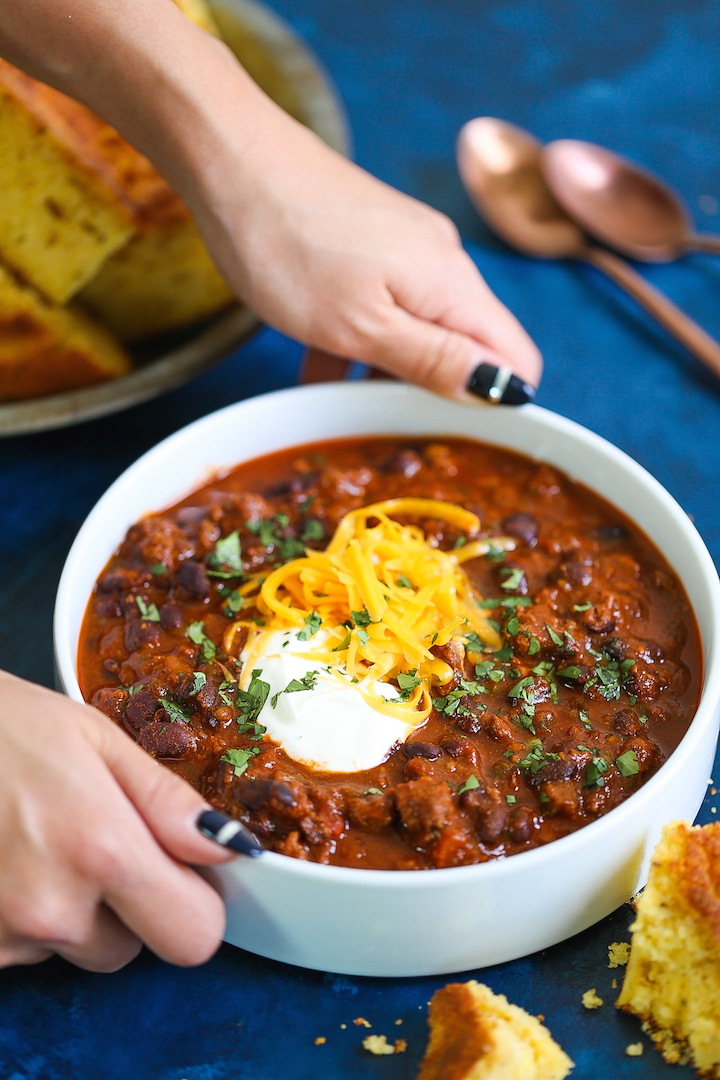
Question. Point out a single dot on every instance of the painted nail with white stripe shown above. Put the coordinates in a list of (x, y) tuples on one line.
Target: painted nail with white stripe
[(229, 833)]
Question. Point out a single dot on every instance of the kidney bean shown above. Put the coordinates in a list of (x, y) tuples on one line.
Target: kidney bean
[(140, 710), (521, 824), (165, 739), (171, 615), (192, 575), (406, 462), (523, 526)]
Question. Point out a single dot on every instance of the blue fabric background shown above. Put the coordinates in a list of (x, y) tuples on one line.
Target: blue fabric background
[(641, 76)]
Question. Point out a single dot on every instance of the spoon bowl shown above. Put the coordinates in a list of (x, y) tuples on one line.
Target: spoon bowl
[(500, 166), (619, 203)]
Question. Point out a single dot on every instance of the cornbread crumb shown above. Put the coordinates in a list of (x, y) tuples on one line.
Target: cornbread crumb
[(618, 954), (478, 1035), (361, 1022), (378, 1044), (342, 1027), (613, 984), (634, 1050), (398, 1022), (672, 981), (400, 1046), (320, 1040), (591, 1000)]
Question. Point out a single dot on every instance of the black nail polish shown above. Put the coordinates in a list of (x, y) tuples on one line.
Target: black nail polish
[(229, 833), (500, 386)]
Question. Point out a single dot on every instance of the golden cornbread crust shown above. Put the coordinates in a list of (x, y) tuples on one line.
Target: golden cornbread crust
[(478, 1035), (45, 349), (672, 980)]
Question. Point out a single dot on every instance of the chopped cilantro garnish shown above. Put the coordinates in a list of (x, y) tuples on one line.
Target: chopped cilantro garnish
[(572, 672), (282, 519), (535, 757), (197, 635), (307, 503), (554, 636), (251, 701), (596, 768), (585, 720), (174, 711), (403, 582), (306, 683), (343, 644), (313, 530), (159, 568), (223, 688), (450, 705), (513, 626), (513, 578), (495, 554), (290, 548), (363, 635), (313, 623), (506, 653), (373, 791), (510, 800), (361, 618), (518, 689), (627, 763), (582, 607), (199, 680), (485, 668), (266, 532), (257, 729), (233, 602), (470, 784), (534, 647), (147, 611), (407, 681), (643, 719), (228, 552), (240, 759), (460, 542), (474, 643), (490, 604)]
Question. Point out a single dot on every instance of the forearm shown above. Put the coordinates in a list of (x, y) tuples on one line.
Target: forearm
[(171, 89)]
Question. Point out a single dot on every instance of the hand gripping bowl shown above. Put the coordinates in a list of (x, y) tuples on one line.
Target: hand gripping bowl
[(395, 923)]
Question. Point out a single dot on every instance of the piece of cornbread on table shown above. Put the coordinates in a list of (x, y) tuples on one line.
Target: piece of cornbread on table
[(45, 349), (672, 980), (59, 217), (478, 1035)]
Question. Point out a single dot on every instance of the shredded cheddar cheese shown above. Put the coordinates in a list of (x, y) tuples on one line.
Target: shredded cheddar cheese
[(384, 596)]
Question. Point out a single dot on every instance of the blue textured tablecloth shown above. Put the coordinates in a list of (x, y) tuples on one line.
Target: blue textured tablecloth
[(642, 77)]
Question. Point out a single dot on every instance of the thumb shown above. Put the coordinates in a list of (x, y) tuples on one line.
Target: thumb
[(444, 360), (168, 805)]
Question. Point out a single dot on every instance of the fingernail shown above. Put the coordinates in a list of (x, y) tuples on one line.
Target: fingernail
[(229, 833), (500, 386)]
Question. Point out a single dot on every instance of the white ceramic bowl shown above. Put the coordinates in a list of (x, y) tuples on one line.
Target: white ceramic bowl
[(371, 922)]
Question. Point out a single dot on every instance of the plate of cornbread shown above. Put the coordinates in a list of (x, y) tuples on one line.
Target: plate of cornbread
[(108, 295)]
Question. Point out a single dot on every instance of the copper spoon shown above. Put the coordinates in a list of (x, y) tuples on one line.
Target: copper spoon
[(621, 204), (500, 166)]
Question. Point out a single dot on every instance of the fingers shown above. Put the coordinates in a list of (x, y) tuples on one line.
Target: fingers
[(167, 804), (105, 945), (432, 356), (18, 953)]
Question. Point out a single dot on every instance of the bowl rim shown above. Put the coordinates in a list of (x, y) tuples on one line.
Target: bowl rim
[(492, 869)]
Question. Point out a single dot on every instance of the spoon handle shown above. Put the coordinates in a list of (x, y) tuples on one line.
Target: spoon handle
[(702, 242), (680, 325)]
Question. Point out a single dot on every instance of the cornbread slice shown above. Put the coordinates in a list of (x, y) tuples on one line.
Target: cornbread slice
[(672, 980), (162, 279), (45, 349), (478, 1035), (59, 217)]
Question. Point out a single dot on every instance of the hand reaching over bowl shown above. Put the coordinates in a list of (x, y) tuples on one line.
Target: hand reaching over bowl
[(94, 835)]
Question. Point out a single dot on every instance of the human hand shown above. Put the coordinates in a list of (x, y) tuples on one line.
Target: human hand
[(328, 254), (94, 834)]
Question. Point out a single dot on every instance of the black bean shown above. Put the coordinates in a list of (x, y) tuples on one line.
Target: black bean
[(406, 462), (521, 824), (192, 575), (456, 746), (140, 632), (490, 822), (609, 533), (523, 526), (256, 793), (165, 739), (111, 665), (422, 749), (171, 615)]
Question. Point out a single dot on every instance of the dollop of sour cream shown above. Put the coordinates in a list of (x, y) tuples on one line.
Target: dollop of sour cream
[(332, 727)]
